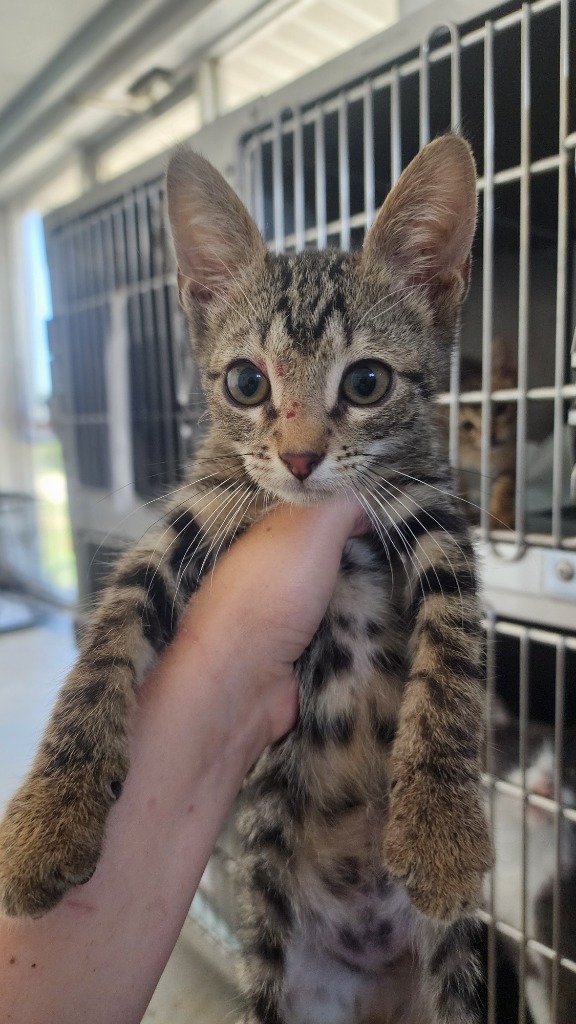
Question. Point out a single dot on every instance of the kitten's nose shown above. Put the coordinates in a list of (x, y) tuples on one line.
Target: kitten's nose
[(301, 464)]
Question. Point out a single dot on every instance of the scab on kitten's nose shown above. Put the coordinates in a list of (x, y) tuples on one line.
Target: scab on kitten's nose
[(301, 464)]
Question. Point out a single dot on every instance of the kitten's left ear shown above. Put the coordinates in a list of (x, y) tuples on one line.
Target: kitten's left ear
[(214, 235), (425, 228)]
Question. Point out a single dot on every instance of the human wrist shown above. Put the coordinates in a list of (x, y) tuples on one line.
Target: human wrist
[(252, 703), (202, 669)]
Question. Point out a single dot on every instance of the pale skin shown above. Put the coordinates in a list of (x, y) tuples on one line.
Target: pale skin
[(223, 691)]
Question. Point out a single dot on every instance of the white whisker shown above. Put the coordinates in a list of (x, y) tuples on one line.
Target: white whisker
[(381, 487), (437, 521), (409, 551), (234, 488), (451, 494), (216, 490), (370, 512), (240, 501), (241, 507), (160, 497)]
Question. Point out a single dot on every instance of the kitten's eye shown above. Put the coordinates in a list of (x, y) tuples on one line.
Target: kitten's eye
[(246, 384), (467, 426), (366, 382)]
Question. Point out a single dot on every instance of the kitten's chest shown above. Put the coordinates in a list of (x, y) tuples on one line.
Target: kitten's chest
[(351, 683), (354, 663)]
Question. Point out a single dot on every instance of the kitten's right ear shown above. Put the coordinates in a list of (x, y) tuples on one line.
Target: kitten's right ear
[(425, 228), (214, 235)]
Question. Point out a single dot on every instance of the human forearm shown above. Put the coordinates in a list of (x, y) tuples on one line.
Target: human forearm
[(221, 693), (96, 957)]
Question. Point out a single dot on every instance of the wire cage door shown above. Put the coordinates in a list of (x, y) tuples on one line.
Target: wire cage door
[(315, 177)]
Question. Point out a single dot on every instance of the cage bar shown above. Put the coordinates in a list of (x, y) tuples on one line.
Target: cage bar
[(369, 182), (523, 716), (488, 277), (395, 126), (523, 282), (491, 964), (258, 179), (320, 177), (344, 172), (278, 186), (562, 272), (559, 824), (299, 198)]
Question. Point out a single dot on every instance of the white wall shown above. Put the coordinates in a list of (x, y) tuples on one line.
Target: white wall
[(15, 455)]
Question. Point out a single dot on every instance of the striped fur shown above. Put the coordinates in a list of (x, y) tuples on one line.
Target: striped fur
[(363, 831)]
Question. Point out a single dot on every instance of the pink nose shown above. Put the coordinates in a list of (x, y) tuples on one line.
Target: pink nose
[(301, 464)]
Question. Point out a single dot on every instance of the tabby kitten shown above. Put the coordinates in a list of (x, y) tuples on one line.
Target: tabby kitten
[(517, 824), (502, 460), (364, 831)]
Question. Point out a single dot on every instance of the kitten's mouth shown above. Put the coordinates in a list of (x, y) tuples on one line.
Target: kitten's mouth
[(286, 485), (303, 492)]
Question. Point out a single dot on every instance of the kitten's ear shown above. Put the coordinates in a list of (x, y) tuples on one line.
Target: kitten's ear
[(214, 235), (425, 228)]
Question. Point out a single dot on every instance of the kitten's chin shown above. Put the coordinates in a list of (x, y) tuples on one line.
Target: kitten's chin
[(304, 492), (305, 497), (271, 480)]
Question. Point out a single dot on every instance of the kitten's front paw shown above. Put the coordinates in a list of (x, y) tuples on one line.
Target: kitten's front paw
[(50, 841), (438, 844)]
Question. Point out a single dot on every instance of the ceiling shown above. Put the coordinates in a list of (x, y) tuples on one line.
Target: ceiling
[(89, 89), (36, 32), (69, 94)]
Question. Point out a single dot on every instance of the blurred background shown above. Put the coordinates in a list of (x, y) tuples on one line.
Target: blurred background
[(310, 108), (85, 96)]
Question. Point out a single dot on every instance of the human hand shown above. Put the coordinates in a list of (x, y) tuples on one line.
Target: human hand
[(257, 612)]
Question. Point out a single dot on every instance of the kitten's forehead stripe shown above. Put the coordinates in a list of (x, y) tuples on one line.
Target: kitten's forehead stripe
[(309, 292)]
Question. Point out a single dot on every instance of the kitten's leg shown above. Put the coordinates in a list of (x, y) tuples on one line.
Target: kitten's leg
[(265, 931), (452, 974), (503, 502), (437, 839), (51, 836), (266, 911)]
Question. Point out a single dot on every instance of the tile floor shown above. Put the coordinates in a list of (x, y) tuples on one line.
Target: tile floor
[(33, 663)]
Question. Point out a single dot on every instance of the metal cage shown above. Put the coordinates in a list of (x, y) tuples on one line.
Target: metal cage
[(314, 177), (313, 163)]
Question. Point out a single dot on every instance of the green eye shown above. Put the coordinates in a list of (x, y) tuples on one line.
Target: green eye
[(366, 383), (246, 384)]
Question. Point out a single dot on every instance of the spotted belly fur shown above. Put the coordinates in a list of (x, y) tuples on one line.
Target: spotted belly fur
[(316, 811)]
